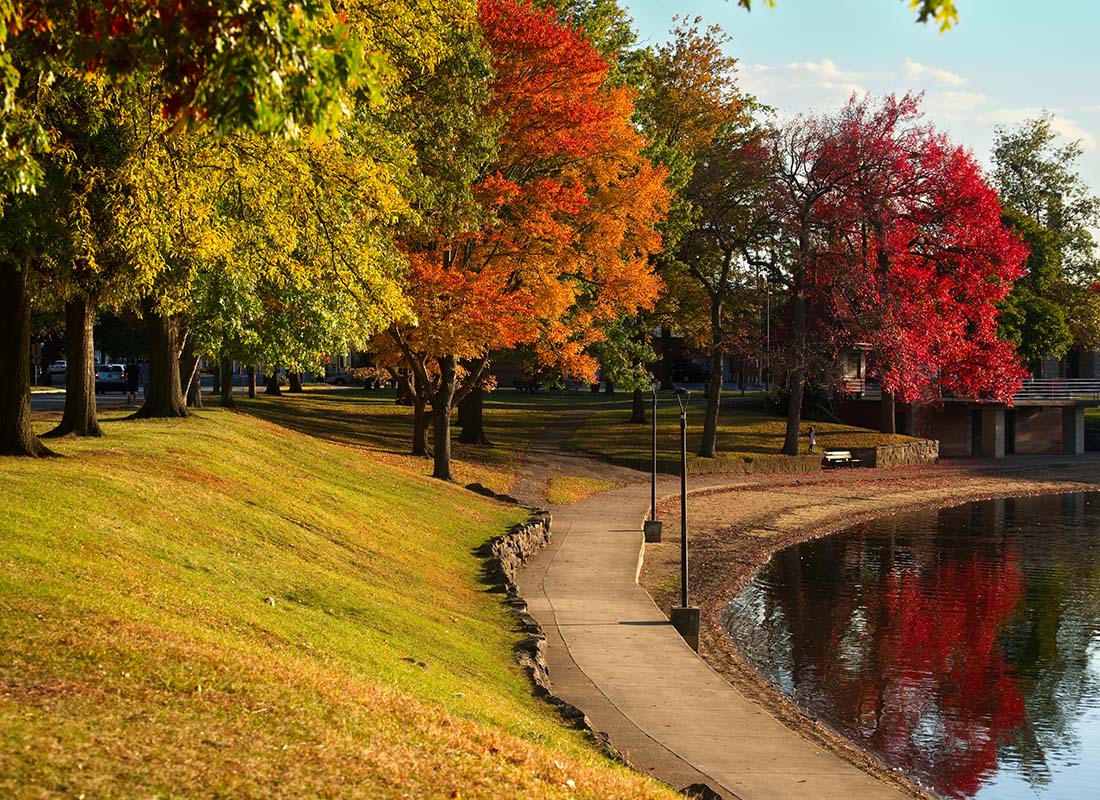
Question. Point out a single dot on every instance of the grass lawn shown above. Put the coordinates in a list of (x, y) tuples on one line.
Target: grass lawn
[(228, 607), (567, 489), (352, 416), (745, 434), (1092, 418)]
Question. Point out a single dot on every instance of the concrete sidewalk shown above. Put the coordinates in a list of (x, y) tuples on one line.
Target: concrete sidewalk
[(614, 655)]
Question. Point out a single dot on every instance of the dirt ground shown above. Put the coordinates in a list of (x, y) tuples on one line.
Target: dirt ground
[(733, 531)]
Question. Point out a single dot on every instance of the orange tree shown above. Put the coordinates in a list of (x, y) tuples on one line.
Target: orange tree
[(567, 208)]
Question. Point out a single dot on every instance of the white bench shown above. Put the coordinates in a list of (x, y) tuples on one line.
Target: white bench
[(838, 458)]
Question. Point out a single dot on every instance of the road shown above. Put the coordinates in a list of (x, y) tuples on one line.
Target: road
[(55, 400)]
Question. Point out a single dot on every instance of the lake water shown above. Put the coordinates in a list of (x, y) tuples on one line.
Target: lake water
[(960, 646)]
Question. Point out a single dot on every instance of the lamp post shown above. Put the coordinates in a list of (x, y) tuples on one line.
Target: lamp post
[(767, 330), (684, 618), (652, 526)]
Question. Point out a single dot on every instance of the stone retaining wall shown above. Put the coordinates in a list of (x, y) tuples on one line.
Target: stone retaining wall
[(918, 453), (765, 463), (506, 555), (509, 552)]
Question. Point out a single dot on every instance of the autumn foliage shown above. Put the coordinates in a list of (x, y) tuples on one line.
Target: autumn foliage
[(899, 248), (919, 259), (569, 207)]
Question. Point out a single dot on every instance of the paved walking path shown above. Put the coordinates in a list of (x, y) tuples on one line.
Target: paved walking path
[(613, 654)]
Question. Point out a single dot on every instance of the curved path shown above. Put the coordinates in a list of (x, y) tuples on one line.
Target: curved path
[(613, 654)]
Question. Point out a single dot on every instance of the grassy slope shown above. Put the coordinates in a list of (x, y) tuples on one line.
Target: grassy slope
[(141, 655), (743, 434), (511, 421)]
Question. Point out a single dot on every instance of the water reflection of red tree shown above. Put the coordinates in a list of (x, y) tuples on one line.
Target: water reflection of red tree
[(937, 696)]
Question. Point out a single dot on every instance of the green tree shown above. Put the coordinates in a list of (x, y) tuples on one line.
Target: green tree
[(1051, 208), (1037, 175), (702, 124), (1033, 316), (288, 65)]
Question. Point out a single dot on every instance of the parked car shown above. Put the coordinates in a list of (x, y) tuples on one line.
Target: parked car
[(344, 379), (59, 367), (110, 378)]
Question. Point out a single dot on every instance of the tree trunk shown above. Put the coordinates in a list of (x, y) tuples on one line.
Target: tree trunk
[(194, 392), (251, 381), (637, 407), (608, 386), (16, 436), (165, 398), (888, 423), (421, 423), (271, 386), (441, 418), (295, 382), (666, 357), (216, 385), (80, 416), (404, 379), (227, 384), (794, 412), (798, 374), (190, 366), (471, 411), (463, 415), (798, 340), (709, 446)]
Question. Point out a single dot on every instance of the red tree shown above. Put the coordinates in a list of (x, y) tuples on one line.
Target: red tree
[(901, 246), (931, 281), (833, 176)]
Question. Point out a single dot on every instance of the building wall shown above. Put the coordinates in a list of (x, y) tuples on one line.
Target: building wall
[(868, 414), (862, 413), (950, 424), (1038, 430)]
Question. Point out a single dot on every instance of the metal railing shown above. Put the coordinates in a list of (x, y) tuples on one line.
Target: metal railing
[(1052, 389), (1059, 389), (860, 387)]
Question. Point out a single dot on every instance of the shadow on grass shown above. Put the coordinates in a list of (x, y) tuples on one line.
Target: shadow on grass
[(372, 420), (346, 416)]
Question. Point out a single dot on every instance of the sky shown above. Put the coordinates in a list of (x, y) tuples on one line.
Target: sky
[(1004, 62)]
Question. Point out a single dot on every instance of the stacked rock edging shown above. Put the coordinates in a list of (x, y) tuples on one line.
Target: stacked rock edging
[(506, 555), (920, 452)]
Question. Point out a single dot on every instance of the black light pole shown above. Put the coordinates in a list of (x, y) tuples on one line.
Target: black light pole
[(685, 618), (652, 526), (682, 396), (653, 477)]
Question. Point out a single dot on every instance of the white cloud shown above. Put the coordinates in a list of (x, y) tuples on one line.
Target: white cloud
[(916, 71), (845, 89), (1062, 124), (801, 86), (954, 105), (969, 116), (824, 70), (1074, 132)]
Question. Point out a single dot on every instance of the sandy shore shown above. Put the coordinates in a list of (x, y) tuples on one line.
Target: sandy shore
[(734, 530)]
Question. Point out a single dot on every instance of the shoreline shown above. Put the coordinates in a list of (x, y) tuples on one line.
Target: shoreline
[(734, 530)]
